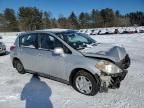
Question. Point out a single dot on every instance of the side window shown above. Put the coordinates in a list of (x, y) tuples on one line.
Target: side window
[(29, 41), (49, 42)]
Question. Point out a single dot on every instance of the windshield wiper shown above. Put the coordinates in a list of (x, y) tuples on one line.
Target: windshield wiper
[(94, 44), (80, 48), (87, 46)]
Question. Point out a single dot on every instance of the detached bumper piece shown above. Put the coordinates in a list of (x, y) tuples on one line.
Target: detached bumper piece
[(125, 63), (112, 80), (116, 79)]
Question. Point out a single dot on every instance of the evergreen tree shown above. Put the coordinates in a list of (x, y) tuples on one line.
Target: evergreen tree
[(9, 16), (93, 18), (85, 20), (3, 23), (46, 19), (63, 22), (54, 23), (73, 22), (108, 17), (30, 18), (99, 19), (136, 18), (82, 20)]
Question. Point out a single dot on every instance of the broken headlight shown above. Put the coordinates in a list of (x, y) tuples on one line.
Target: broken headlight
[(108, 67)]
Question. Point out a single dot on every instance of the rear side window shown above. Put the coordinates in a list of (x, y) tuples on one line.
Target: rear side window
[(29, 40)]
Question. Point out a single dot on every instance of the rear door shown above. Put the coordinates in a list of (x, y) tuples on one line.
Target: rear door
[(28, 51)]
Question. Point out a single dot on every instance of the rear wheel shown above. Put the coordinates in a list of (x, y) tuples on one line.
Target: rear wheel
[(85, 83), (19, 66)]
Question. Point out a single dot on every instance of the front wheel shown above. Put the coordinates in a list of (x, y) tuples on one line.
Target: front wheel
[(19, 67), (85, 83)]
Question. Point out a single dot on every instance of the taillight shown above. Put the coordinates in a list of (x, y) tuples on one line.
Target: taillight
[(12, 48)]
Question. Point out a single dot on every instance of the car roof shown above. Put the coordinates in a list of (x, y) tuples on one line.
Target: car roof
[(57, 30), (53, 31)]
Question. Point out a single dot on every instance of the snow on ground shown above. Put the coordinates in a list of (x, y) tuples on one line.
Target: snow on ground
[(24, 91)]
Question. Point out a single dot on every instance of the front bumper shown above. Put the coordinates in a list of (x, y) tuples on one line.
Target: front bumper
[(112, 80)]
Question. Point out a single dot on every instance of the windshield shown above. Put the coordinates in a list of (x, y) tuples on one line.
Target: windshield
[(76, 40)]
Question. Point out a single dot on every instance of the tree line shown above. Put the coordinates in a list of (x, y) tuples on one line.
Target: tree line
[(31, 18)]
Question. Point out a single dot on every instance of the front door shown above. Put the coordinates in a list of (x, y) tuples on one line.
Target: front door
[(49, 63)]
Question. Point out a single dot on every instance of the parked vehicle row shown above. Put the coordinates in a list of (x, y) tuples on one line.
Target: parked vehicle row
[(109, 32), (0, 37), (2, 48), (72, 58)]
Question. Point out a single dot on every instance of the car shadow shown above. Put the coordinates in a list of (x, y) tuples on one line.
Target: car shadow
[(37, 94)]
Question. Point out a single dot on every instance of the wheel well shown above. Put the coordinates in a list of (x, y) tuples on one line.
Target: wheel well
[(73, 73), (14, 59)]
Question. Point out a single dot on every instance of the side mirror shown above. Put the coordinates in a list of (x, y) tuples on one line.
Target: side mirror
[(59, 51)]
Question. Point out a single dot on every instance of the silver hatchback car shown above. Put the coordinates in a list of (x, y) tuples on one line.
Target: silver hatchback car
[(72, 58)]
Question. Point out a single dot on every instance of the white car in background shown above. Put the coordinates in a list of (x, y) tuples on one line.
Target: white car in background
[(2, 48)]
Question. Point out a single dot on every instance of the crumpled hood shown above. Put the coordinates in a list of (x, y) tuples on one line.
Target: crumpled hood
[(106, 51)]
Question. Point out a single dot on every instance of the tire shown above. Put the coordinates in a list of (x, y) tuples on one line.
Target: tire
[(19, 67), (90, 85)]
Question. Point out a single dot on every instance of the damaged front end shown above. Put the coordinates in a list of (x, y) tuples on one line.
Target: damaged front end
[(117, 78), (112, 62), (112, 74), (112, 80)]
